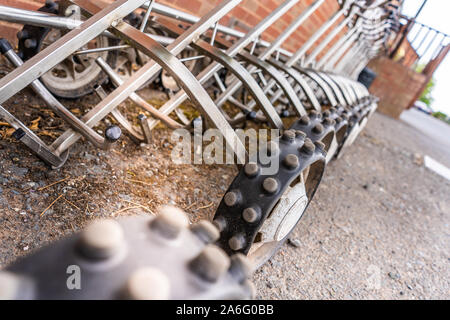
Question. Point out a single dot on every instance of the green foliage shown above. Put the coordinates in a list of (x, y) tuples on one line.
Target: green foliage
[(427, 96), (441, 116)]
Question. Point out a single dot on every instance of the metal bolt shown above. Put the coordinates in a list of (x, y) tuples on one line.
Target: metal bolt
[(30, 43), (220, 223), (170, 222), (250, 215), (9, 286), (289, 135), (148, 284), (210, 264), (205, 231), (319, 145), (101, 239), (291, 161), (240, 267), (328, 122), (314, 114), (236, 242), (318, 128), (304, 120), (300, 134), (270, 185), (231, 198), (308, 147), (251, 169), (22, 35)]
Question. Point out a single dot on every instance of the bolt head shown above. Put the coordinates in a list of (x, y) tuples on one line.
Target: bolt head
[(270, 185), (101, 239), (308, 147), (210, 264), (291, 161), (251, 169), (148, 284), (169, 222), (231, 198), (206, 231), (236, 242), (289, 135), (250, 215)]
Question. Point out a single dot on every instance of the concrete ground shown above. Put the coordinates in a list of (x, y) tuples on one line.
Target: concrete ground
[(378, 227), (433, 134)]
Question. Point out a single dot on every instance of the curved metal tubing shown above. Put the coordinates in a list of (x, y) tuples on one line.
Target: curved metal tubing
[(288, 90), (245, 77), (166, 58), (298, 78), (321, 83)]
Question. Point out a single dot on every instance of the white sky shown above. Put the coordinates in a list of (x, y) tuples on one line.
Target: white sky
[(436, 15)]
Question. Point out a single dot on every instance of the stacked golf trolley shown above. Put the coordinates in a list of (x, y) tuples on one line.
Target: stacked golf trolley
[(71, 48)]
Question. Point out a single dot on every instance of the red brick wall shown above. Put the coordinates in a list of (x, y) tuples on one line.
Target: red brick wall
[(250, 12), (395, 85)]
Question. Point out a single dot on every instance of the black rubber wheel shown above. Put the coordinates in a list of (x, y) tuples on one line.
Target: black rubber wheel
[(76, 76), (254, 200)]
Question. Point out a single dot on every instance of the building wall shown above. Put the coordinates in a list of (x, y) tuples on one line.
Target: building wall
[(395, 85), (249, 12)]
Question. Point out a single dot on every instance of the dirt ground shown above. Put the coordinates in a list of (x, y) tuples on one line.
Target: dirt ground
[(377, 228)]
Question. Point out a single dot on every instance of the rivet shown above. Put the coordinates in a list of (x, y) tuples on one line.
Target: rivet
[(205, 231), (291, 161), (308, 147), (240, 267), (231, 198), (270, 185), (318, 128), (210, 264), (251, 169), (101, 239), (169, 222), (250, 215), (236, 242), (148, 284)]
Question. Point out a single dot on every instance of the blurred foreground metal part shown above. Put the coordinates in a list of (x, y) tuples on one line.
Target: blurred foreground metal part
[(141, 257)]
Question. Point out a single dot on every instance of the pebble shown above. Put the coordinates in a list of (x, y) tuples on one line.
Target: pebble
[(294, 242), (394, 276), (18, 171)]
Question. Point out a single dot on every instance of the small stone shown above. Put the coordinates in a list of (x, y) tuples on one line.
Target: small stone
[(418, 159), (294, 242), (394, 276)]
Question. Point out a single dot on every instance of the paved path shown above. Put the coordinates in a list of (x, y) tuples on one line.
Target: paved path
[(378, 227)]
